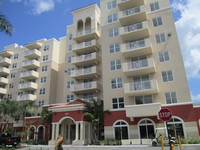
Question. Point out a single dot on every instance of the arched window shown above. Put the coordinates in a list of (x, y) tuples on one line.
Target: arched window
[(121, 130), (175, 127), (41, 133), (146, 128), (88, 26), (80, 28)]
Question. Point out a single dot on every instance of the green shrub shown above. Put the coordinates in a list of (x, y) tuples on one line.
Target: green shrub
[(110, 142), (190, 140)]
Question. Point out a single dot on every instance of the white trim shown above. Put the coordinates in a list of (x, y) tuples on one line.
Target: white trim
[(129, 106), (156, 11), (32, 117), (121, 109), (176, 104), (67, 109), (138, 125), (113, 126), (67, 117)]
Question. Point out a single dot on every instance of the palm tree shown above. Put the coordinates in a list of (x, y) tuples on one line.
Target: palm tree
[(8, 109), (94, 113), (5, 25)]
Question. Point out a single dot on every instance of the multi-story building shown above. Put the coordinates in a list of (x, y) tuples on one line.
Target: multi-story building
[(125, 53)]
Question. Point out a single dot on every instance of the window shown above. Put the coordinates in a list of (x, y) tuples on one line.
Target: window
[(118, 103), (40, 103), (113, 32), (112, 18), (12, 75), (16, 56), (46, 47), (11, 85), (9, 96), (44, 68), (69, 60), (14, 66), (70, 48), (21, 82), (42, 91), (121, 130), (45, 58), (115, 65), (160, 38), (116, 83), (154, 6), (20, 93), (146, 128), (70, 83), (157, 21), (170, 97), (69, 71), (167, 76), (175, 127), (114, 48), (163, 56), (70, 98), (88, 96), (145, 99), (70, 36), (43, 79), (112, 4)]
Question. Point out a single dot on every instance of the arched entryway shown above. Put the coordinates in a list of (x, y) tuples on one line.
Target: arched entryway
[(31, 134), (67, 129), (175, 127), (146, 129), (121, 130), (41, 133)]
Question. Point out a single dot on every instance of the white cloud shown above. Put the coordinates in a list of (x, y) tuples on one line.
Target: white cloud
[(38, 7), (196, 98), (188, 28)]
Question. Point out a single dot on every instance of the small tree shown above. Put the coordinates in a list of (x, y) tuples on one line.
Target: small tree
[(5, 25), (94, 113)]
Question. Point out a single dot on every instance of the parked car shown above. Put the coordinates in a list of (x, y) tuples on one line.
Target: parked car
[(7, 140)]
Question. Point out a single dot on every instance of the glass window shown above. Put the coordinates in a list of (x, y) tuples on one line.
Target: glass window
[(171, 97), (70, 83), (11, 85), (154, 6), (43, 79), (46, 47), (116, 83), (42, 91), (69, 71), (12, 75), (163, 56), (112, 4), (118, 103), (70, 48), (167, 76), (70, 36), (9, 96), (160, 38), (44, 68), (114, 48), (16, 56), (157, 21), (88, 97), (146, 128), (70, 98), (113, 32), (121, 130), (145, 99), (112, 18), (45, 58), (115, 65), (14, 65), (40, 103)]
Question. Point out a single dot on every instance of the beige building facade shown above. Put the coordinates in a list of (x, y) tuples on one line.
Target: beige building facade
[(125, 53)]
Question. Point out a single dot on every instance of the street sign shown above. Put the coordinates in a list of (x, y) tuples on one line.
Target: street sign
[(165, 114)]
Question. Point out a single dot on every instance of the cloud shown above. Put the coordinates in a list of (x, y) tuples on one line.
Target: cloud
[(188, 28), (38, 7), (196, 98)]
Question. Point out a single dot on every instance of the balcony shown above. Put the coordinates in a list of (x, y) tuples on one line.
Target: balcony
[(85, 87), (3, 91), (86, 47), (133, 15), (148, 110), (5, 62), (32, 54), (145, 66), (134, 31), (4, 71), (3, 80), (6, 53), (84, 60), (26, 97), (91, 72), (18, 123), (126, 4), (31, 64), (28, 86), (136, 48), (27, 75), (141, 88), (86, 35), (34, 45)]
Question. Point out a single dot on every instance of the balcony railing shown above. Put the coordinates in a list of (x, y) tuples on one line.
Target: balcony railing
[(3, 80), (126, 4), (3, 91), (32, 54), (4, 71), (5, 61), (29, 74), (88, 34), (26, 97), (86, 72), (84, 86), (31, 64), (28, 86)]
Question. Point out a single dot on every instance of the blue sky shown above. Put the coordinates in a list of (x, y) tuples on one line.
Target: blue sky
[(37, 19)]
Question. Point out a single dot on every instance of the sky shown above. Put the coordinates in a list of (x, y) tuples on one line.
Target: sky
[(37, 19)]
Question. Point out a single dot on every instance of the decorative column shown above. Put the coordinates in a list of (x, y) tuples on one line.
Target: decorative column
[(53, 132), (57, 130), (77, 131), (82, 132), (68, 132)]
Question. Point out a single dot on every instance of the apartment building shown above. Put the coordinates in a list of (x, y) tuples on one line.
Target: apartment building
[(125, 53)]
